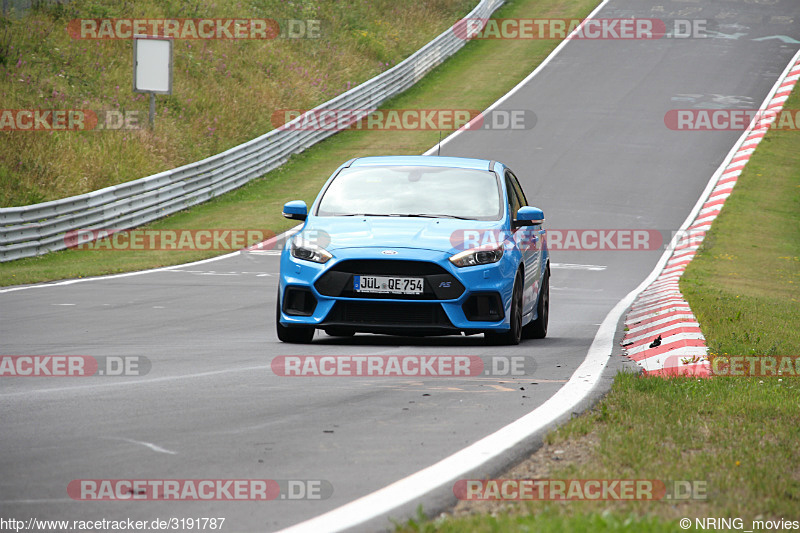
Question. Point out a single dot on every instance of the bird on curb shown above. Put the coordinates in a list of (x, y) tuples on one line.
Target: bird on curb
[(656, 343)]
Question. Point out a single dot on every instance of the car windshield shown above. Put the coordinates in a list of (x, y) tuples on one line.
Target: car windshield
[(413, 191)]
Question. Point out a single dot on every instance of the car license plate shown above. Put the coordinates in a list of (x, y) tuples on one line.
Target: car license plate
[(388, 285)]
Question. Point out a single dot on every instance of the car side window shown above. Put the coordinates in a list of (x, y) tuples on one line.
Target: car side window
[(513, 200), (518, 189)]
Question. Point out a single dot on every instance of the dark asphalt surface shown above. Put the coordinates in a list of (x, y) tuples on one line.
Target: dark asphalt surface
[(599, 157)]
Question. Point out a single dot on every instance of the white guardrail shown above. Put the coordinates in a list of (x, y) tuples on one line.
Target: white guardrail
[(37, 229)]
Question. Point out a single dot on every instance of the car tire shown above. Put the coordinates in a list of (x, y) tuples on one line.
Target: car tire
[(537, 329), (291, 334), (513, 336)]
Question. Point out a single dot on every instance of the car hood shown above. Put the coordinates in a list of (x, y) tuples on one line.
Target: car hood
[(438, 234)]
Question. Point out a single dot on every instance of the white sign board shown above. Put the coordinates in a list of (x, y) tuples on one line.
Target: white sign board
[(152, 64)]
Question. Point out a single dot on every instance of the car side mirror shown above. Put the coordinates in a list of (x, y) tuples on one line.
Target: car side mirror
[(295, 210), (529, 216)]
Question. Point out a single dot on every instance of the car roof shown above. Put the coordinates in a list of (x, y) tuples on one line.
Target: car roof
[(422, 160)]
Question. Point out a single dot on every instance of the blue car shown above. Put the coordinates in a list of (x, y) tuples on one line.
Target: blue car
[(416, 245)]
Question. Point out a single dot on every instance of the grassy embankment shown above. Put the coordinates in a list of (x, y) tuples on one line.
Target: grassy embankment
[(477, 76)]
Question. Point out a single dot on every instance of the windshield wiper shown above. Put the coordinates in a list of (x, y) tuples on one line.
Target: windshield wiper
[(434, 215), (416, 215), (364, 215)]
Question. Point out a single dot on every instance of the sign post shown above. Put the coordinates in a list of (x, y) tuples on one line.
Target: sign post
[(152, 68)]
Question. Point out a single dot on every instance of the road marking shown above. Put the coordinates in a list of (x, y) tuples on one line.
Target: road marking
[(215, 273), (264, 252), (784, 38), (285, 234), (150, 445), (573, 266), (135, 382), (577, 289), (36, 502), (500, 388)]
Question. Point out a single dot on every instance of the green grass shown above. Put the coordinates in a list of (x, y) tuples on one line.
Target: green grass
[(740, 434), (224, 91), (477, 76)]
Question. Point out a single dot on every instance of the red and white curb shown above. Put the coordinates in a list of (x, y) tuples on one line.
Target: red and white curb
[(662, 334)]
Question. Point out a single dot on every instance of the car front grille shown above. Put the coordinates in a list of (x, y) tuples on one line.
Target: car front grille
[(439, 284), (388, 267)]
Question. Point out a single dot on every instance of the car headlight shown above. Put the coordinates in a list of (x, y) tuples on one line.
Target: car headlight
[(308, 251), (478, 256)]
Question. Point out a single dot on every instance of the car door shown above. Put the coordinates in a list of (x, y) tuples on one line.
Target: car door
[(527, 240)]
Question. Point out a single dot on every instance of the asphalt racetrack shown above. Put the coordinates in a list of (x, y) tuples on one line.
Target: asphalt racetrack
[(599, 157)]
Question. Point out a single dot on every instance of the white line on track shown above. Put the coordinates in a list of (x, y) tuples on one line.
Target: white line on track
[(150, 445), (136, 382), (114, 276), (149, 271), (573, 266), (36, 502)]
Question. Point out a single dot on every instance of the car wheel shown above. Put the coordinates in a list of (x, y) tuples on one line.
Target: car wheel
[(514, 335), (294, 335), (538, 328)]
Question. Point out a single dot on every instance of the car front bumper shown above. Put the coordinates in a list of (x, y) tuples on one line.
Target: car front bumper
[(469, 299)]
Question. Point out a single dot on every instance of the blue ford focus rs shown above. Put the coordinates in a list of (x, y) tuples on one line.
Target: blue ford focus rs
[(416, 245)]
